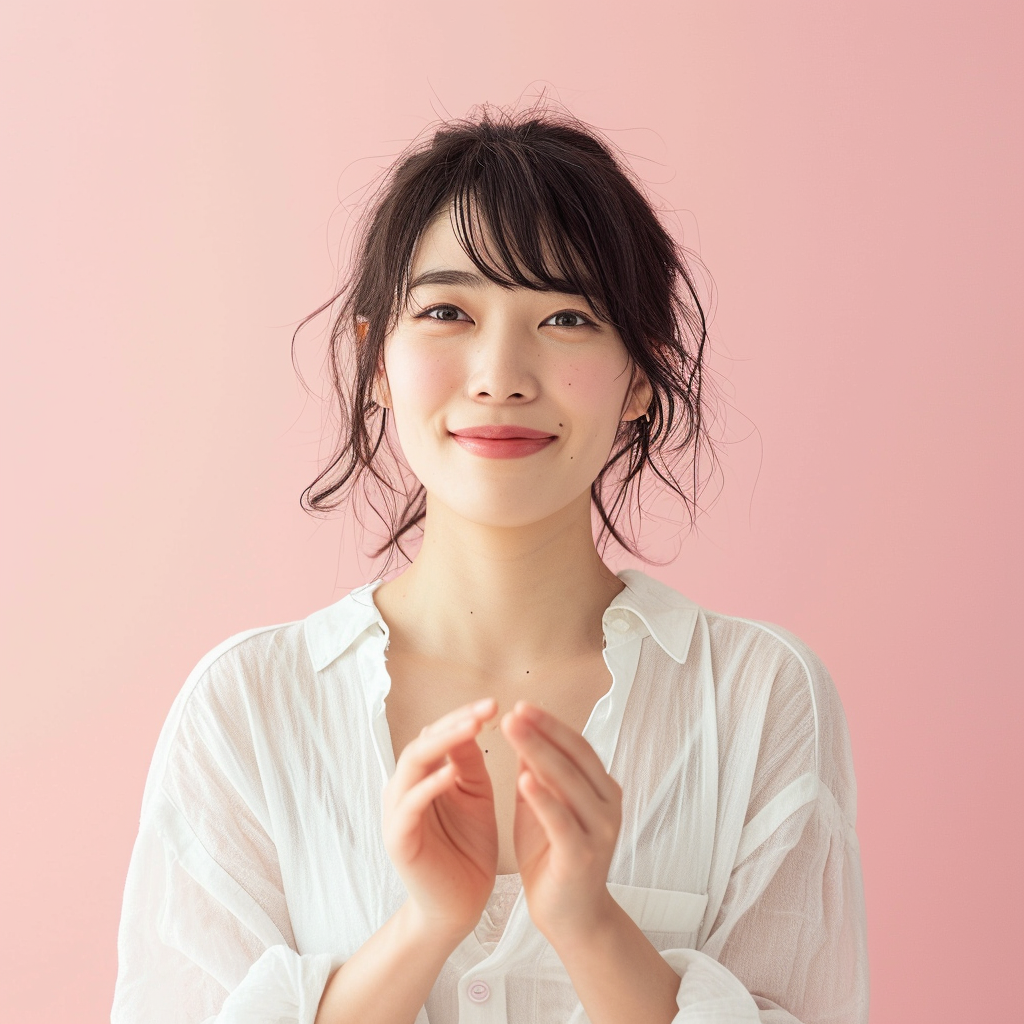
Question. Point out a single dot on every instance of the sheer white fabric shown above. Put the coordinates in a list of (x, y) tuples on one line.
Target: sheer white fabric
[(498, 910), (259, 865)]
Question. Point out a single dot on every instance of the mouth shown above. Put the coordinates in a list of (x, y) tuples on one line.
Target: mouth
[(502, 442)]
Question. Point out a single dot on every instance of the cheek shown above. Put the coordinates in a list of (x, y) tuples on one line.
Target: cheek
[(419, 381), (594, 392), (591, 394)]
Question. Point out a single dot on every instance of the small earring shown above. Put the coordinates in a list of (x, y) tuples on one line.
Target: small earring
[(647, 415)]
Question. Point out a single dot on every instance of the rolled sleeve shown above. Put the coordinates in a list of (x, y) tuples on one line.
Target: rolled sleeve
[(193, 945), (789, 945)]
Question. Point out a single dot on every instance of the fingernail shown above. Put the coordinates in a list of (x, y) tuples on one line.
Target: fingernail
[(528, 711), (483, 705)]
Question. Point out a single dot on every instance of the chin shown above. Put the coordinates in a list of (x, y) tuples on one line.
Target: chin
[(505, 508)]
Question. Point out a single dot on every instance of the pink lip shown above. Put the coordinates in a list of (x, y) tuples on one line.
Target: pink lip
[(495, 430), (502, 442)]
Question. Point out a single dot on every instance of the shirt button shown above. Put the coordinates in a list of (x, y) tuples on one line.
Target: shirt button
[(479, 991)]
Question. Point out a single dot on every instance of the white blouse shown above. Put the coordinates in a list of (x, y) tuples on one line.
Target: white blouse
[(260, 864)]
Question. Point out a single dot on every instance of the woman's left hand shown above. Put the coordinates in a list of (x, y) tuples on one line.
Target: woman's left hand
[(567, 820)]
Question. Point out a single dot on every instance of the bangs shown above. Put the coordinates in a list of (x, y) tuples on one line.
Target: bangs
[(510, 225)]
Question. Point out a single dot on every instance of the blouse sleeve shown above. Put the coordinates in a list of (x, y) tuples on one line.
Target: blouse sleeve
[(204, 934), (788, 944)]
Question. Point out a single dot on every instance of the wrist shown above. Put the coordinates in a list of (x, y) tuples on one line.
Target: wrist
[(597, 921), (442, 935)]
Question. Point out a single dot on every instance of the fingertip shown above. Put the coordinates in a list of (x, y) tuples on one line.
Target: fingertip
[(528, 710)]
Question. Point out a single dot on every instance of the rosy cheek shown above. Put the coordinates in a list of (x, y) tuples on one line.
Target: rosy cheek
[(589, 387), (420, 380)]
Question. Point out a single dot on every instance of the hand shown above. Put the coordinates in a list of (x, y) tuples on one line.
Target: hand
[(439, 824), (568, 815)]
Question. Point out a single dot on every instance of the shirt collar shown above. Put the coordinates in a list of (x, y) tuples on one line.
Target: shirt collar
[(669, 616), (331, 630), (666, 614)]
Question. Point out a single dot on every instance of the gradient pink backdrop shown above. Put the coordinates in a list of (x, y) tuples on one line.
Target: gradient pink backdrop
[(851, 175)]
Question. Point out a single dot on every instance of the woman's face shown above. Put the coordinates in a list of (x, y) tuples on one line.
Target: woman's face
[(468, 353)]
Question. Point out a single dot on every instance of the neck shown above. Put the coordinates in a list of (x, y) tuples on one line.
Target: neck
[(499, 598)]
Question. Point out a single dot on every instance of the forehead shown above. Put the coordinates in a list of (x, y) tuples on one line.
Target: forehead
[(438, 246), (442, 245)]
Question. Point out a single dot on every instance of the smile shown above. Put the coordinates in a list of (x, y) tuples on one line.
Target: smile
[(502, 440), (502, 447)]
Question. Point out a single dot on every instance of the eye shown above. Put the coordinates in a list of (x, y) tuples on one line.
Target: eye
[(445, 308), (447, 313), (587, 322)]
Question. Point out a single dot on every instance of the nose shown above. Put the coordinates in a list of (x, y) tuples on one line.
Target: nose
[(503, 365)]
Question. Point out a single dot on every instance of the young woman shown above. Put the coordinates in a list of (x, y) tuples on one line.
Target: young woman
[(507, 784)]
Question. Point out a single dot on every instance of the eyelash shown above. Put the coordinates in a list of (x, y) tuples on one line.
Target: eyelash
[(587, 322)]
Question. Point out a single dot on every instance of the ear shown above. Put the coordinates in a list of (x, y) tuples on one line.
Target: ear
[(640, 398), (381, 392)]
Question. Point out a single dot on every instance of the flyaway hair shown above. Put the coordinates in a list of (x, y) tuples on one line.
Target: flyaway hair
[(562, 213)]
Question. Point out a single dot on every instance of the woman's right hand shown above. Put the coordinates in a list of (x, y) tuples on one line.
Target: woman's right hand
[(440, 830)]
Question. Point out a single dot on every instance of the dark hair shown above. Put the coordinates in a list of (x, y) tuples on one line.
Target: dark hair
[(536, 177)]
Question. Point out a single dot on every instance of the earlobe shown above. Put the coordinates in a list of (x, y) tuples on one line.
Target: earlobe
[(640, 405), (381, 392)]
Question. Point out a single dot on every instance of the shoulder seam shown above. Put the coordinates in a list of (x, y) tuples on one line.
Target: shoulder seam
[(803, 663), (184, 695), (212, 656)]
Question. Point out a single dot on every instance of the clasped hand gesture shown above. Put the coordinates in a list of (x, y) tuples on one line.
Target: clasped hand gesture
[(441, 832)]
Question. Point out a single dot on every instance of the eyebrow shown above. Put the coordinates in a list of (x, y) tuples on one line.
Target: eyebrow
[(468, 279), (453, 277)]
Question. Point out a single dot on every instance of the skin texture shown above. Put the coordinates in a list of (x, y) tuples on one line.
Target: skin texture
[(507, 576)]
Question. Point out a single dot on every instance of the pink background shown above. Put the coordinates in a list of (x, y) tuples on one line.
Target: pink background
[(173, 183)]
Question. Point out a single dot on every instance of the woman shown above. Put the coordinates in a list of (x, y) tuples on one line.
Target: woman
[(507, 784)]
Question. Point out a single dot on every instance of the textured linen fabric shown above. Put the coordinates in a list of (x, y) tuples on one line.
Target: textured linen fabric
[(498, 909), (259, 864)]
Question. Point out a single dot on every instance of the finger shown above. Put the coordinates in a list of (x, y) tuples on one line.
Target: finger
[(558, 772), (480, 709), (556, 819), (573, 744), (470, 766), (422, 755), (409, 809)]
